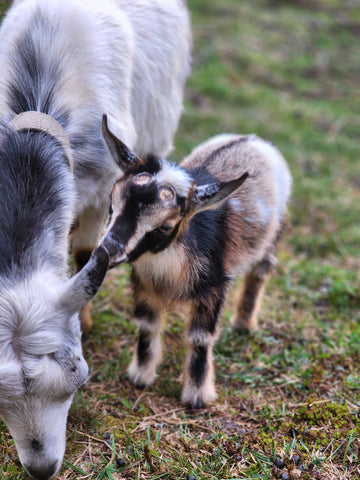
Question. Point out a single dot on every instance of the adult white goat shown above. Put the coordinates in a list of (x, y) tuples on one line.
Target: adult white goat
[(62, 64)]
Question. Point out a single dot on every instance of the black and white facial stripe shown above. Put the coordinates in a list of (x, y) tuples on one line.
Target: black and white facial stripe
[(146, 210)]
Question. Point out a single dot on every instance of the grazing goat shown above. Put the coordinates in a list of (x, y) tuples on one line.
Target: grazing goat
[(187, 230), (62, 64)]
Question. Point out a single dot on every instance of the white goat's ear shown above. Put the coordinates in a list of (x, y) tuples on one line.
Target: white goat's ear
[(83, 286), (211, 195), (125, 158)]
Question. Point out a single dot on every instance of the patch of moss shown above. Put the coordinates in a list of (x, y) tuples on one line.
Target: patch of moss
[(266, 440), (321, 414), (113, 425)]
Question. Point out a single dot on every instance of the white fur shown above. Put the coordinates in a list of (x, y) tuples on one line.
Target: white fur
[(161, 267), (127, 59), (282, 177), (146, 374), (175, 176), (214, 142), (193, 394), (130, 60), (36, 387)]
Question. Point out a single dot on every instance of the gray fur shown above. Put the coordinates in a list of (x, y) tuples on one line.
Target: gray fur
[(73, 60)]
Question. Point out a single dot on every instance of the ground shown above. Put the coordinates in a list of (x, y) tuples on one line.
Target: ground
[(288, 395)]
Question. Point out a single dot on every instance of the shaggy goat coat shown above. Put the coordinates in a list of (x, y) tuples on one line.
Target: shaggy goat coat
[(187, 230), (73, 61)]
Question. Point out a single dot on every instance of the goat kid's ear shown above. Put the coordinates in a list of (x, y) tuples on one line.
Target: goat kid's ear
[(83, 286), (125, 158), (211, 195)]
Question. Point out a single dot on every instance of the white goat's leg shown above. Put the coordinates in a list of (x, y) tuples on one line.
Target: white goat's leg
[(89, 226), (199, 386), (142, 370)]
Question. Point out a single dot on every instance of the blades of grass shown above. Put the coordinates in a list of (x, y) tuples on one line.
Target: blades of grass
[(75, 468), (350, 440)]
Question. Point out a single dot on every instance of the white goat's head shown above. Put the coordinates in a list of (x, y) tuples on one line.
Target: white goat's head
[(41, 361)]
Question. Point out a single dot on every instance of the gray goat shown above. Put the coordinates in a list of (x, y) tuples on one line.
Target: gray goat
[(62, 64), (187, 230)]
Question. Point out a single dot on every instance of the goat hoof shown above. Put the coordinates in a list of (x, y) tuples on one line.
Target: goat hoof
[(140, 385), (243, 327), (241, 330), (197, 404)]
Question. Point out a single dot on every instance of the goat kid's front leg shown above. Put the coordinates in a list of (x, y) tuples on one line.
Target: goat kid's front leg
[(199, 386), (148, 315)]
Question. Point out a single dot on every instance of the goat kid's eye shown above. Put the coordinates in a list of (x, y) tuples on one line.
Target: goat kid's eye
[(166, 193), (164, 229)]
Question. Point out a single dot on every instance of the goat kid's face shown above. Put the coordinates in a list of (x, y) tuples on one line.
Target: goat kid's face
[(41, 362), (151, 201), (145, 217)]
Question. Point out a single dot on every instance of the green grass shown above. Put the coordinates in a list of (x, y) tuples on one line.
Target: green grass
[(288, 71)]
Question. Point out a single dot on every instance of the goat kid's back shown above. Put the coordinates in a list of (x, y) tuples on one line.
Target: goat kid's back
[(253, 215), (187, 230)]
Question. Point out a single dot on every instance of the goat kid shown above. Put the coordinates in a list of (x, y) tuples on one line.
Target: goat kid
[(187, 230), (62, 64)]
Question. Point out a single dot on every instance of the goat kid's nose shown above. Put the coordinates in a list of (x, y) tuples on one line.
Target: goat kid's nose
[(117, 259), (43, 473)]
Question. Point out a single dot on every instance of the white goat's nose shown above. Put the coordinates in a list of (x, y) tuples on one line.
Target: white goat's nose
[(42, 473)]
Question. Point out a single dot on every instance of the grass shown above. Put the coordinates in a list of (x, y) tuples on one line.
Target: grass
[(289, 71)]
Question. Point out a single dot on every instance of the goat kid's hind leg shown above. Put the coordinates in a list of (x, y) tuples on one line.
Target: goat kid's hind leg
[(245, 319), (199, 386), (149, 317), (84, 240)]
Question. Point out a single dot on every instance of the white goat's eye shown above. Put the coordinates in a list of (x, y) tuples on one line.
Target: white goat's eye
[(142, 179), (166, 193)]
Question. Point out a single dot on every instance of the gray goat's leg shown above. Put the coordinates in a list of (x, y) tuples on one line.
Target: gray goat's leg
[(199, 386), (84, 240)]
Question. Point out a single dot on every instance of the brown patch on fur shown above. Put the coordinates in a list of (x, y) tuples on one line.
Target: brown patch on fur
[(144, 292), (252, 290), (73, 230), (81, 257), (246, 240), (254, 283), (162, 278), (249, 304), (86, 320)]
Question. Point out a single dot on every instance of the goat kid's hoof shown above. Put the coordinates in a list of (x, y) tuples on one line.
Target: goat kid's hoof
[(197, 404), (243, 327), (197, 400), (140, 378)]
